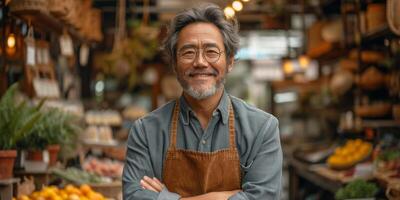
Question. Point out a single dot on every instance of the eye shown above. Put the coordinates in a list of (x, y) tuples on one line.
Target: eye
[(212, 52), (189, 53)]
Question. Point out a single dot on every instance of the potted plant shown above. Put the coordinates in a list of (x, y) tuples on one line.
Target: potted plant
[(55, 128), (16, 121), (357, 189)]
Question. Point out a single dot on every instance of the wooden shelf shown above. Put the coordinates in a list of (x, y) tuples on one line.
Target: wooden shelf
[(46, 22), (381, 123), (9, 181), (7, 188), (378, 33), (90, 144)]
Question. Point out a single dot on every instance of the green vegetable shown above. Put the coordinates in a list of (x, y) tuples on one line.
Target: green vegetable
[(357, 189), (389, 155), (78, 176)]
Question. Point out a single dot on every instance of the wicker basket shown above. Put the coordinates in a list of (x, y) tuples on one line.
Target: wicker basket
[(372, 79), (393, 190), (374, 110), (95, 19), (109, 190), (92, 25), (60, 8), (28, 5), (376, 16)]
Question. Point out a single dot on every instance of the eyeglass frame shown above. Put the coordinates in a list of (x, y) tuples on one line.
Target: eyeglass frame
[(196, 50)]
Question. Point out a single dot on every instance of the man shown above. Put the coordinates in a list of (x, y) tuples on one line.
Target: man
[(207, 144)]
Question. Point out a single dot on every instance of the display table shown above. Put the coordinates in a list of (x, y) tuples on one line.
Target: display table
[(298, 169), (7, 188), (41, 177)]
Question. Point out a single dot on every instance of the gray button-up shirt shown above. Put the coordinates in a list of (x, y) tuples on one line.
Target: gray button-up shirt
[(257, 140)]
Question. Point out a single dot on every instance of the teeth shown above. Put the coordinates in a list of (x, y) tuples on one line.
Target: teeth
[(200, 75)]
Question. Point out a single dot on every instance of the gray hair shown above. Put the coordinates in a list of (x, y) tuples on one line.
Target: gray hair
[(209, 13)]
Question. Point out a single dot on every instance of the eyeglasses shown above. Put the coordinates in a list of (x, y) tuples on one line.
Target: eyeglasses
[(210, 54)]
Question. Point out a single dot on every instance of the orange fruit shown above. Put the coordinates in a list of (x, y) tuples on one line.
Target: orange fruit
[(85, 189)]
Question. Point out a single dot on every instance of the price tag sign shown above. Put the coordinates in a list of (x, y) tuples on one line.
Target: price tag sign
[(67, 48), (30, 48)]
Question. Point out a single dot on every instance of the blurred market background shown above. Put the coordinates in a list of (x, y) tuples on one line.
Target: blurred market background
[(75, 74)]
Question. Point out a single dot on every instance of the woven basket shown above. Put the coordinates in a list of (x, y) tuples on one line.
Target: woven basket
[(28, 5), (376, 16), (374, 110), (60, 8), (82, 13), (393, 190), (109, 190), (95, 22), (73, 15)]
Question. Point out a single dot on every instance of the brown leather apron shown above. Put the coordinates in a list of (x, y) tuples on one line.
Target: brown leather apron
[(191, 173)]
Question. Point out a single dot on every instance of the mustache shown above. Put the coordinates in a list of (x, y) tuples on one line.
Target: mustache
[(193, 72)]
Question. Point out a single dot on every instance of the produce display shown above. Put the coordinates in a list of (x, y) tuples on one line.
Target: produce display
[(358, 189), (78, 176), (107, 117), (350, 154), (98, 134), (104, 167), (69, 192)]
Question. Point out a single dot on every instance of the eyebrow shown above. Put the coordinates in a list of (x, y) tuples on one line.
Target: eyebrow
[(188, 46)]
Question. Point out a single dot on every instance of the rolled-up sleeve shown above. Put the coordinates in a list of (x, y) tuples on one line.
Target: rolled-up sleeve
[(262, 179), (137, 165)]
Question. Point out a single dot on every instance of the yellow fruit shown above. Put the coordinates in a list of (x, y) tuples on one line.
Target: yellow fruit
[(84, 198), (73, 197), (95, 196), (85, 189), (63, 194), (69, 188), (23, 197)]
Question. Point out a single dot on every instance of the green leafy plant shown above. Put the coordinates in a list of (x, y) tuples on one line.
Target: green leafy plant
[(357, 189), (53, 127), (139, 45), (16, 119), (388, 155)]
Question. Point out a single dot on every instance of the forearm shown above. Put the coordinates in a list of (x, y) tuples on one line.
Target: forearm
[(131, 193), (223, 195)]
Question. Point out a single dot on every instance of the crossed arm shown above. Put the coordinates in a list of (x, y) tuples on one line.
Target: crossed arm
[(155, 185)]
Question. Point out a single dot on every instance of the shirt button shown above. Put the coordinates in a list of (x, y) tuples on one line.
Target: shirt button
[(204, 141)]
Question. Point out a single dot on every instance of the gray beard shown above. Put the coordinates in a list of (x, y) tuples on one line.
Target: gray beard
[(201, 94)]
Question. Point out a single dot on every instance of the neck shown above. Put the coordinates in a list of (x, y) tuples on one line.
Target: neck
[(204, 107)]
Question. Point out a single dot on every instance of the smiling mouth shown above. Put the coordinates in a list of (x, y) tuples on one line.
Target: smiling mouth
[(201, 75)]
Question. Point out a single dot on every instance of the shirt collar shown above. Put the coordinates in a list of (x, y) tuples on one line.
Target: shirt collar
[(222, 108)]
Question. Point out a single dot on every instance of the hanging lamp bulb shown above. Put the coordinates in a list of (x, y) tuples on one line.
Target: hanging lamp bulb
[(229, 12), (237, 5), (11, 41), (304, 61)]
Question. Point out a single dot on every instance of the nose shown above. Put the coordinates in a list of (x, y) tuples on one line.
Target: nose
[(199, 60)]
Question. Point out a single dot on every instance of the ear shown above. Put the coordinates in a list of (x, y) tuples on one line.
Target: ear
[(230, 64)]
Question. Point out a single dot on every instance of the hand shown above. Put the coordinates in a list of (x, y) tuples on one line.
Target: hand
[(223, 195), (152, 184)]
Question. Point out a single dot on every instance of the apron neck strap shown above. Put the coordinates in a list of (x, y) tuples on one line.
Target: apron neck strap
[(174, 126), (231, 122)]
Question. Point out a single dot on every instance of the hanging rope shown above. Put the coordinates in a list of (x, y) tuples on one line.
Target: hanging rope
[(146, 13), (120, 31)]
